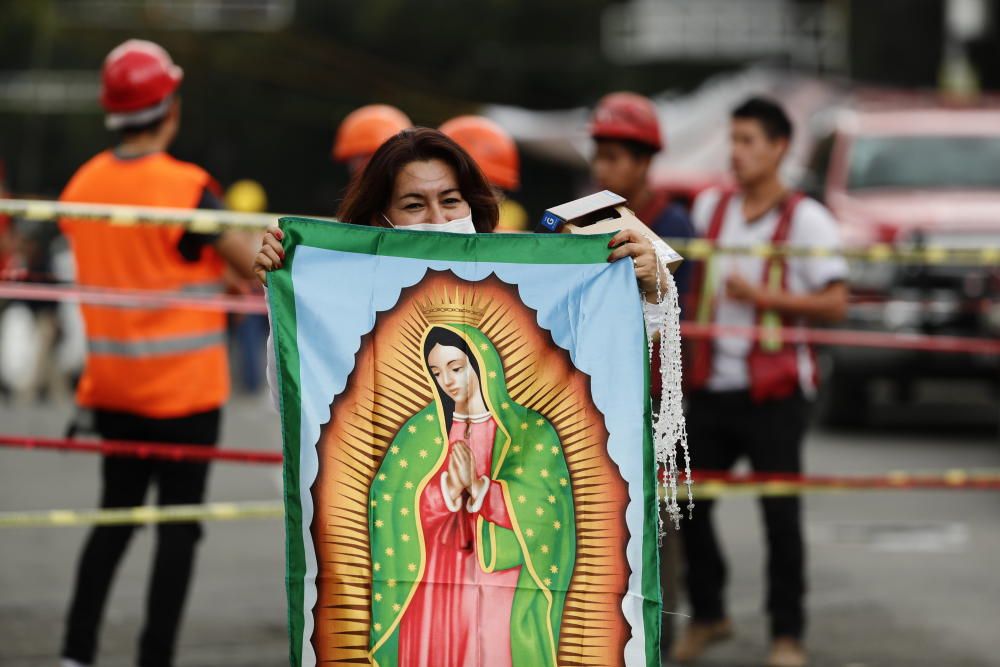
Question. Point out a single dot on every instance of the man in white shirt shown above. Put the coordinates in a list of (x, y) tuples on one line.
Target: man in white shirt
[(750, 397)]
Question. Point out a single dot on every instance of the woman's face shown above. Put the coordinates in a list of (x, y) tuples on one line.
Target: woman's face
[(426, 192), (454, 374)]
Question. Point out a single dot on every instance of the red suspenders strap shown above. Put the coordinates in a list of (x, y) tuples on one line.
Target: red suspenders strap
[(784, 228), (699, 352), (781, 233), (712, 234), (774, 374), (719, 216)]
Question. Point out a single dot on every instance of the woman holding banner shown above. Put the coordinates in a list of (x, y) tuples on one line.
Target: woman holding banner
[(421, 180)]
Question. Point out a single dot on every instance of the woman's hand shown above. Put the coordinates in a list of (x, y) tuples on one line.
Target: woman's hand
[(271, 255), (630, 243)]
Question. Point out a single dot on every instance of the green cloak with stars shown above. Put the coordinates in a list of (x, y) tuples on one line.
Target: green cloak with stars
[(529, 464)]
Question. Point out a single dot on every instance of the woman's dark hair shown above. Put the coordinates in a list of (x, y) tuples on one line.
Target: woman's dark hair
[(448, 338), (369, 193)]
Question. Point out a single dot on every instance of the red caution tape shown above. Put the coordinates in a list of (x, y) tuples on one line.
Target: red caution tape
[(143, 450), (133, 298), (761, 483), (254, 304), (951, 479), (850, 338)]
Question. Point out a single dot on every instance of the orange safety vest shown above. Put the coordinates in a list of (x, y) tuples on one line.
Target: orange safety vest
[(162, 362)]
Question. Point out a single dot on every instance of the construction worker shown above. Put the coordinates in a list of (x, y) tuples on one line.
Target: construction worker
[(158, 375), (627, 134), (249, 331), (363, 131), (749, 398), (496, 154)]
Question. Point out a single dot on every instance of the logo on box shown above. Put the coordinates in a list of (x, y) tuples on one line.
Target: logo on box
[(551, 222)]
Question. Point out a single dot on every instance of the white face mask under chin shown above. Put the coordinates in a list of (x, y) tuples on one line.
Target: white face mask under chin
[(459, 226)]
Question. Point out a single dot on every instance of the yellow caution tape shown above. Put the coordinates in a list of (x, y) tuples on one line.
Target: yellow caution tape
[(201, 220), (142, 515), (700, 249), (198, 220), (706, 490), (715, 490)]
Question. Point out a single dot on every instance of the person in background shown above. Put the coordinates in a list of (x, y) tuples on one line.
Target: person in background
[(749, 398), (363, 131), (627, 136), (158, 375), (495, 152), (249, 331), (421, 180)]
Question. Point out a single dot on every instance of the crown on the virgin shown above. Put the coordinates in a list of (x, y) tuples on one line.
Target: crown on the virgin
[(460, 307)]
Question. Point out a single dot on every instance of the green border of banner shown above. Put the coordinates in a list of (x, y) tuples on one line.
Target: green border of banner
[(287, 371), (432, 246), (652, 597), (444, 246)]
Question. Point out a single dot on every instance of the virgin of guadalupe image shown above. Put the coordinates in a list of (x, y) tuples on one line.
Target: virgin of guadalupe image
[(471, 517)]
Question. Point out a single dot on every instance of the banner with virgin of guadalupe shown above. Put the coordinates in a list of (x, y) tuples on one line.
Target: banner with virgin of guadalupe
[(469, 471)]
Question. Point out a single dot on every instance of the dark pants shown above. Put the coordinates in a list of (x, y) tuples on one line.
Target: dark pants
[(125, 482), (722, 428)]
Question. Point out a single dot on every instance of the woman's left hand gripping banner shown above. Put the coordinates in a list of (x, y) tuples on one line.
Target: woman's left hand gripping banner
[(469, 474)]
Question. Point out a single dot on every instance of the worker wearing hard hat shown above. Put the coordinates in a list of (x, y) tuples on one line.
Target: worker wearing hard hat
[(494, 150), (627, 134), (248, 331), (364, 130), (159, 375)]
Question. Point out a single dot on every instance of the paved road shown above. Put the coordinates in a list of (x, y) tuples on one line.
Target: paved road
[(897, 578)]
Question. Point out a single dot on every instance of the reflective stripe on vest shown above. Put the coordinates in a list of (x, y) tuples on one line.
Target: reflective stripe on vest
[(775, 272), (770, 320), (139, 349), (216, 287)]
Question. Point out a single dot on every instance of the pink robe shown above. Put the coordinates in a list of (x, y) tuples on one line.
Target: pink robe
[(459, 615)]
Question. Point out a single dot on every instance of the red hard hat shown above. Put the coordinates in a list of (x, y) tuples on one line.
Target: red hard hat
[(367, 128), (627, 117), (492, 148), (137, 80)]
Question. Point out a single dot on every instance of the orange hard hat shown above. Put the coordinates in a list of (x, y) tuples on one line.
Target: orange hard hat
[(367, 128), (490, 146), (137, 82), (627, 117)]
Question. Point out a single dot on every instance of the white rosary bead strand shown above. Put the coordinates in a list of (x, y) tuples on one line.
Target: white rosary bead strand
[(669, 426)]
